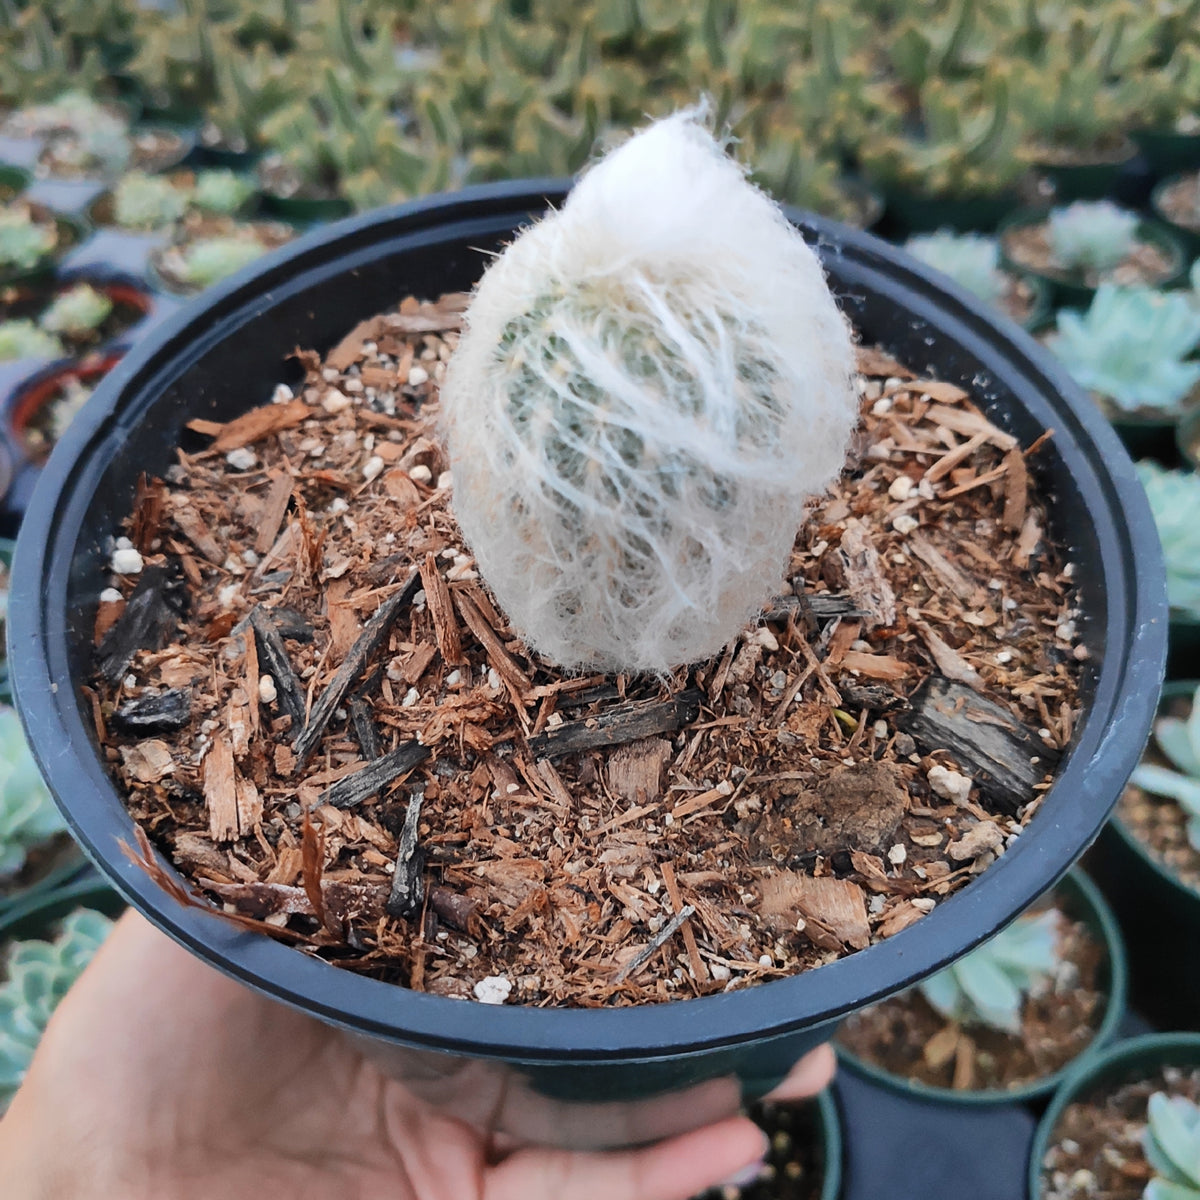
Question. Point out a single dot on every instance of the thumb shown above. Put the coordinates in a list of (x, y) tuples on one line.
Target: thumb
[(676, 1169)]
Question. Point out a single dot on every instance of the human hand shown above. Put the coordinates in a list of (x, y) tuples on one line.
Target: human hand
[(160, 1079)]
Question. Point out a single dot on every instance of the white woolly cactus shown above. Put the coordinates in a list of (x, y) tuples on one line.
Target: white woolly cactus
[(651, 384)]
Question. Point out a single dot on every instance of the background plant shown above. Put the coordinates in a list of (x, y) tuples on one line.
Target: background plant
[(1172, 1145), (1179, 740), (38, 975), (1175, 499), (989, 985), (1091, 235), (28, 816)]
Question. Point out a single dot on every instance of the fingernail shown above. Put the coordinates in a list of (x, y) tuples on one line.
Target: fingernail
[(746, 1176)]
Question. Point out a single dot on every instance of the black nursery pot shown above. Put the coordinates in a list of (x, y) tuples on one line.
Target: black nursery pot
[(573, 1076)]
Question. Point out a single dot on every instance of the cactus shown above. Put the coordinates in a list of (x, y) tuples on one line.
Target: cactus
[(28, 816), (970, 259), (146, 202), (24, 240), (1171, 1142), (1132, 346), (1091, 235), (989, 985), (655, 414), (250, 87), (76, 312), (39, 974), (221, 191), (82, 135), (210, 260), (1175, 499), (21, 338), (1179, 740)]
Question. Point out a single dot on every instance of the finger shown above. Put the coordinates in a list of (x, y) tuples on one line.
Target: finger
[(673, 1170), (812, 1074)]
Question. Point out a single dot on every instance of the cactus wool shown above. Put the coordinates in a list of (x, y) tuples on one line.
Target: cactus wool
[(651, 383)]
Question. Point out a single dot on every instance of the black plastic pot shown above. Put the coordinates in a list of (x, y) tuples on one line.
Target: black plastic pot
[(908, 211), (1080, 899), (574, 1076), (1159, 915), (1126, 1062), (1087, 180), (1167, 152)]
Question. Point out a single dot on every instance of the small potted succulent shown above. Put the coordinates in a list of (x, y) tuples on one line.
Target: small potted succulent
[(224, 192), (972, 260), (89, 313), (80, 136), (1005, 1022), (1148, 860), (144, 203), (35, 848), (1132, 350), (1082, 245), (1176, 203), (1173, 495), (197, 260), (646, 256), (31, 239), (44, 947), (42, 407), (1125, 1125)]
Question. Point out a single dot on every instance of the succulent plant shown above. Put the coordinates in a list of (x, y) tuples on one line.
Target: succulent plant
[(1179, 740), (142, 201), (1131, 346), (39, 974), (1091, 235), (221, 191), (82, 135), (77, 311), (1175, 500), (989, 985), (641, 428), (970, 259), (24, 240), (1171, 1143), (28, 815), (21, 338), (209, 260)]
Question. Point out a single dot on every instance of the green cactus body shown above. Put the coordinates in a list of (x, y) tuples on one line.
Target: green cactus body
[(24, 241), (1171, 1143), (143, 201), (1091, 235), (989, 985), (1179, 741), (208, 261), (221, 191), (1175, 499), (28, 816), (970, 259), (38, 976), (1132, 346), (78, 311), (23, 339)]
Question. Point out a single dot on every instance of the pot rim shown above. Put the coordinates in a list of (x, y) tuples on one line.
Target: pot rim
[(1105, 749)]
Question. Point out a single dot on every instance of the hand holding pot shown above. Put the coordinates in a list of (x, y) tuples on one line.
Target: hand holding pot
[(159, 1077)]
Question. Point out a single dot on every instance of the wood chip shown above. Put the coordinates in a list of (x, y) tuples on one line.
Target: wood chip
[(635, 771), (253, 426), (220, 791), (441, 609), (837, 904)]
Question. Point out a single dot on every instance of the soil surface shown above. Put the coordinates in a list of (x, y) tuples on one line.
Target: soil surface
[(1096, 1151), (1179, 203), (1029, 246), (907, 1037), (316, 710), (794, 1169)]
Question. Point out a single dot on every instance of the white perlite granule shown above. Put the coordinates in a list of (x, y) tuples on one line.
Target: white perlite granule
[(651, 384)]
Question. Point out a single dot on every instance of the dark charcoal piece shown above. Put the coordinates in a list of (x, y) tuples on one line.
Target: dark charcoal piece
[(624, 723), (363, 784), (368, 642), (592, 695), (365, 728), (150, 618), (292, 625), (408, 883), (871, 697), (155, 714), (273, 658), (1001, 754)]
